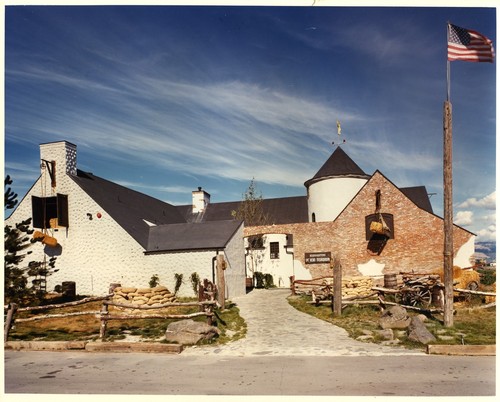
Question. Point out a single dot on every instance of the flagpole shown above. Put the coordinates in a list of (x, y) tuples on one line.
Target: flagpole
[(448, 203)]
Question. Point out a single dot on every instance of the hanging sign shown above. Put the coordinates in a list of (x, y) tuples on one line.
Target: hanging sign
[(318, 258)]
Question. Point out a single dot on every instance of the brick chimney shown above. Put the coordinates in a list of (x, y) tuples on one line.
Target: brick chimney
[(201, 199)]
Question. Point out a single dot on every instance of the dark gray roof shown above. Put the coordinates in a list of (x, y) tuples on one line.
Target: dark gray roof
[(192, 236), (279, 210), (419, 196), (339, 164), (127, 207)]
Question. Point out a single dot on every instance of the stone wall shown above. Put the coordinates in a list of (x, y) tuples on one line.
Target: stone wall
[(143, 296)]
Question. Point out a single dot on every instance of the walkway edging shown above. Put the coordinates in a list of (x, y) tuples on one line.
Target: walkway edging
[(86, 346)]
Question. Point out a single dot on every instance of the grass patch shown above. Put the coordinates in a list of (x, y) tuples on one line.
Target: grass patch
[(471, 326), (86, 327)]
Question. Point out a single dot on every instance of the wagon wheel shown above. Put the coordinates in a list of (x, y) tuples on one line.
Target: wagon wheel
[(418, 296)]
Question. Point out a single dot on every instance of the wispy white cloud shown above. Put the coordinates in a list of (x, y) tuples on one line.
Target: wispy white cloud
[(487, 234), (487, 202), (464, 218)]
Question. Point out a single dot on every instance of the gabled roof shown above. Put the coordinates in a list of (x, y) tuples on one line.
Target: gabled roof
[(192, 236), (127, 207), (339, 164), (419, 196), (279, 210)]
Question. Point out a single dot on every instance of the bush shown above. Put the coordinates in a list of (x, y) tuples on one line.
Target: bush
[(154, 281), (263, 280), (488, 277)]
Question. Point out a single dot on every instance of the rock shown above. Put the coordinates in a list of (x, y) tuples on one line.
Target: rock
[(364, 338), (386, 334), (394, 317), (422, 317), (189, 332), (418, 332)]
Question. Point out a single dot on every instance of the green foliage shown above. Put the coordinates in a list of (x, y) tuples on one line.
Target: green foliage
[(195, 282), (178, 282), (10, 198), (22, 284), (263, 280), (154, 281), (488, 276)]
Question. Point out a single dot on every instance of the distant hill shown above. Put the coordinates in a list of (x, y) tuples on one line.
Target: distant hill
[(489, 248)]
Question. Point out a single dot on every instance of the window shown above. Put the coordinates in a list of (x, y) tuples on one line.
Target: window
[(389, 221), (275, 250), (47, 208)]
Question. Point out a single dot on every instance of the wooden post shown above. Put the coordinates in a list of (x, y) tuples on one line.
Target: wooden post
[(104, 320), (448, 214), (9, 319), (337, 287), (221, 282), (292, 284)]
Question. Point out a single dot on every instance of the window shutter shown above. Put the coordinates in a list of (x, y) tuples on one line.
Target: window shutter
[(62, 210), (37, 211)]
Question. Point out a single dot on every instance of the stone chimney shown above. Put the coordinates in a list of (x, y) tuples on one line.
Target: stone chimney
[(201, 199), (59, 157)]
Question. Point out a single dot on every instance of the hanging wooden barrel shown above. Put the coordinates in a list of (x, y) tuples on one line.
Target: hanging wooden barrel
[(390, 281), (49, 241), (377, 227), (38, 235)]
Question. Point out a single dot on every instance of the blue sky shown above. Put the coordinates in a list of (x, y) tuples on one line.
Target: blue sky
[(166, 99)]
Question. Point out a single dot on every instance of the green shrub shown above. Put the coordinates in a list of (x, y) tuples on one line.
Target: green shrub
[(154, 281)]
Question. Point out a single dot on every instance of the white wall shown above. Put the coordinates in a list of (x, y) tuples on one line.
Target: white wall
[(327, 198), (235, 272), (281, 268), (97, 252), (464, 254)]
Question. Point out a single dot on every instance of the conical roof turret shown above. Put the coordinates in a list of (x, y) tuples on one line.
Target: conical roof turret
[(339, 164)]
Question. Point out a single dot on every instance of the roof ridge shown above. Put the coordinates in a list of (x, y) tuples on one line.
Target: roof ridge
[(339, 164)]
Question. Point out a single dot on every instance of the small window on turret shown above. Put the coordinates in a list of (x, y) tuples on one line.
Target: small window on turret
[(275, 250)]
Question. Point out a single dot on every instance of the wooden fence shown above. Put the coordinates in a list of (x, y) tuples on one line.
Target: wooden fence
[(207, 292)]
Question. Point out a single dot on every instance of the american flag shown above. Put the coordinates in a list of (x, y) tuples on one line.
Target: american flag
[(467, 45)]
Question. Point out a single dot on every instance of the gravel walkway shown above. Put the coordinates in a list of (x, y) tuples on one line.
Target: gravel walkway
[(276, 328)]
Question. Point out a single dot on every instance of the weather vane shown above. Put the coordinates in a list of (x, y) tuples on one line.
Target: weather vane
[(339, 132)]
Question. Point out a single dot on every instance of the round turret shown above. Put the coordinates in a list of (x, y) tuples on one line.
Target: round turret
[(333, 187)]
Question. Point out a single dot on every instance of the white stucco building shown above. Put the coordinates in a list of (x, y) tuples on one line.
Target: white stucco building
[(107, 233)]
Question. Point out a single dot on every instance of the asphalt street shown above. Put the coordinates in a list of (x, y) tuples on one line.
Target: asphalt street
[(31, 372), (300, 356)]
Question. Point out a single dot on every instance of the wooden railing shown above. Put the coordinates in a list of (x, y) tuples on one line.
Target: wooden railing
[(206, 302)]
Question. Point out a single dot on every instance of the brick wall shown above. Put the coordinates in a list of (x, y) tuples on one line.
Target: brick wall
[(418, 235)]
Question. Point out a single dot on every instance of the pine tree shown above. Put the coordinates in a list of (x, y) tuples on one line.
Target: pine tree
[(17, 240)]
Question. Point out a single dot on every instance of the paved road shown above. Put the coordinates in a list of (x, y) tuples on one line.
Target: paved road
[(300, 356), (156, 374), (277, 329)]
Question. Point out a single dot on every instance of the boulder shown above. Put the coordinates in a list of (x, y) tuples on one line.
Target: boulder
[(386, 334), (189, 332), (418, 332), (394, 317)]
